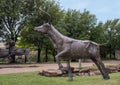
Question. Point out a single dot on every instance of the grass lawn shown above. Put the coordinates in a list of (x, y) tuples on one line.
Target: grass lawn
[(34, 79)]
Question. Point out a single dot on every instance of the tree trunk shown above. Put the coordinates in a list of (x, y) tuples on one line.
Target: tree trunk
[(39, 53), (25, 59), (114, 54), (12, 56), (110, 52), (53, 53), (46, 55), (12, 59)]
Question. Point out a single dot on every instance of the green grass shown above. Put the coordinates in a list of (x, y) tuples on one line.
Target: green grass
[(34, 79)]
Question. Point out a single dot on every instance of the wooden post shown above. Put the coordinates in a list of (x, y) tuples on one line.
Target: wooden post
[(79, 65)]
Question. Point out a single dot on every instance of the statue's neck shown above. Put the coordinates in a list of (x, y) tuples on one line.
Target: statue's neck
[(55, 36)]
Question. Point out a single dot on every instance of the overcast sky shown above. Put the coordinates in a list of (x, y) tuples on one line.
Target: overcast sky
[(103, 9)]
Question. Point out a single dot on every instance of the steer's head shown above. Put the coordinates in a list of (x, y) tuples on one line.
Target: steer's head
[(43, 28)]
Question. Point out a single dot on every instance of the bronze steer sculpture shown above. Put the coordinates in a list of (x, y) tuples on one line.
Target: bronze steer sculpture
[(68, 48), (19, 52), (4, 53), (13, 50)]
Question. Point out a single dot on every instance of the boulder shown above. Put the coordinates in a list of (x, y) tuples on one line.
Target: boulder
[(50, 73)]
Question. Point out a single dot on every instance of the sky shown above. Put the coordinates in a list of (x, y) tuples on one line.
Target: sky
[(103, 9)]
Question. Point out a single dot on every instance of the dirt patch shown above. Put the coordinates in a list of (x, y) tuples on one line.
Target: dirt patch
[(19, 68)]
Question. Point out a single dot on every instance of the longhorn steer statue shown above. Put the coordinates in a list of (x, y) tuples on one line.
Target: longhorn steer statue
[(68, 48), (19, 52), (4, 53), (13, 50)]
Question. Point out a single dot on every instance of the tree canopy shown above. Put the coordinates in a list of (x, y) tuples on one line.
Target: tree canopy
[(19, 17), (12, 18)]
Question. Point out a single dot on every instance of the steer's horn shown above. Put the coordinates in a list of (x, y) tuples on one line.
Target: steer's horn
[(49, 20)]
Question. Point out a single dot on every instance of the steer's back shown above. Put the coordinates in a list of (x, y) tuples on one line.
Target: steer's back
[(4, 53)]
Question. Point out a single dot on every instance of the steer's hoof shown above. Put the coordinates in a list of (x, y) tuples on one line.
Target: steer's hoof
[(106, 78), (70, 79)]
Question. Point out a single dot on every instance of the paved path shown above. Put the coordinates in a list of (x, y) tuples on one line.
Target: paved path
[(19, 68)]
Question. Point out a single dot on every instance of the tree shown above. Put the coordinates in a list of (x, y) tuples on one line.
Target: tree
[(107, 33), (112, 33), (77, 24), (12, 19), (97, 33), (38, 17), (32, 39)]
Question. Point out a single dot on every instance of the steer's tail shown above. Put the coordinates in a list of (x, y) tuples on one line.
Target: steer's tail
[(103, 44)]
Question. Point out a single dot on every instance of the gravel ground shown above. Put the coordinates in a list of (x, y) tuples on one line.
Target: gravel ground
[(19, 68)]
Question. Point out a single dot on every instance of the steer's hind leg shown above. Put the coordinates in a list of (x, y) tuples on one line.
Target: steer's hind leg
[(70, 75), (101, 67)]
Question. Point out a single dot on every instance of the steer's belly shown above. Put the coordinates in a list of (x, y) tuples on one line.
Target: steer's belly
[(77, 50), (76, 54)]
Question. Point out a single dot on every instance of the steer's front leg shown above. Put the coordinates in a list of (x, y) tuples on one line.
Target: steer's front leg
[(60, 54)]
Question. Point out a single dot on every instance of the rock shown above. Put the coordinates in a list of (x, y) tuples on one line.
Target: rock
[(66, 69), (51, 73), (84, 71), (55, 73), (111, 69), (97, 73)]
